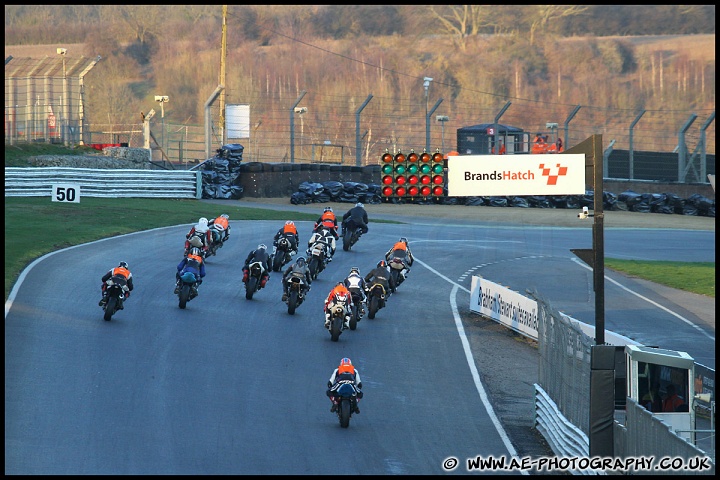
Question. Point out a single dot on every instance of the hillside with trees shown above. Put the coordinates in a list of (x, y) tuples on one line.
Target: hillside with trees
[(543, 60)]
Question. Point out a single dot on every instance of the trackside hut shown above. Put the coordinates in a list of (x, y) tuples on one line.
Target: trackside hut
[(480, 139)]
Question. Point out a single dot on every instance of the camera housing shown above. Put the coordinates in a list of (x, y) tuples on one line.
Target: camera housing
[(301, 110), (161, 98), (584, 214)]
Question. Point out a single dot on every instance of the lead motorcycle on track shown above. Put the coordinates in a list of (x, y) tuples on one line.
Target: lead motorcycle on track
[(115, 295), (187, 289), (376, 296), (344, 395)]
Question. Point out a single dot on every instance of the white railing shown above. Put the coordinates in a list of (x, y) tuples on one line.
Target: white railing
[(112, 183)]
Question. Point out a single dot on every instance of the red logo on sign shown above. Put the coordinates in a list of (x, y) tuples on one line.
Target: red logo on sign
[(553, 178)]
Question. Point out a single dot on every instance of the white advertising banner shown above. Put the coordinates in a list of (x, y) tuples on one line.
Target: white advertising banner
[(504, 306), (516, 175), (237, 121)]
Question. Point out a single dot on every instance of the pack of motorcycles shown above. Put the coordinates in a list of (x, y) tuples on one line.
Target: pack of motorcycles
[(319, 256)]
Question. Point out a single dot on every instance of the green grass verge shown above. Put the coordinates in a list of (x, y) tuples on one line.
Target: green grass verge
[(696, 277), (62, 225)]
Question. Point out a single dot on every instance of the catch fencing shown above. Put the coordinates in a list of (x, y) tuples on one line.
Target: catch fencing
[(562, 409), (108, 183)]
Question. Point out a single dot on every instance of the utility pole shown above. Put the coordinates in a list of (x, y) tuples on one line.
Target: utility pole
[(223, 56)]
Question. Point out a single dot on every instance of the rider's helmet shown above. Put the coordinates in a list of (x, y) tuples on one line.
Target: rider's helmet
[(203, 221), (346, 366), (225, 215), (359, 204), (300, 261), (289, 223), (404, 240), (262, 246), (354, 270), (196, 251), (327, 209), (123, 265), (382, 263)]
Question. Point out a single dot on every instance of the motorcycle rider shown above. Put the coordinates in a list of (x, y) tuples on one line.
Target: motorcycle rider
[(324, 237), (345, 371), (289, 231), (299, 268), (220, 228), (193, 263), (119, 275), (327, 220), (355, 217), (401, 250), (355, 283), (260, 254), (198, 236), (380, 274), (338, 292)]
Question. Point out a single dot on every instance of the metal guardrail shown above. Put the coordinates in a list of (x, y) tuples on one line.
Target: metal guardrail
[(109, 183)]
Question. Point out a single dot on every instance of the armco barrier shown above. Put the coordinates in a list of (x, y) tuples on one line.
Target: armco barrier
[(112, 183)]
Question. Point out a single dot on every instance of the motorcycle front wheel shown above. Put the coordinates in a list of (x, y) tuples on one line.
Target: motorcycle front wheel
[(184, 295), (110, 308), (344, 413)]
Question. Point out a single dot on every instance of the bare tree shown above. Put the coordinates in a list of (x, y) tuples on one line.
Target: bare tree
[(462, 21), (542, 15)]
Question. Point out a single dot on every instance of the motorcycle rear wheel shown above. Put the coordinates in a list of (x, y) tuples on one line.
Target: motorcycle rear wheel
[(250, 287), (184, 295), (110, 308), (278, 260), (354, 317), (347, 240), (373, 306), (292, 302), (344, 412), (336, 329)]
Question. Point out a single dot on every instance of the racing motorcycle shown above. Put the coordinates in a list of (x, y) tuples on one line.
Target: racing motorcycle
[(344, 395), (115, 298), (318, 258), (338, 311), (254, 278), (350, 237), (281, 255), (396, 276), (355, 313), (197, 240), (375, 299), (296, 290), (187, 289), (216, 243)]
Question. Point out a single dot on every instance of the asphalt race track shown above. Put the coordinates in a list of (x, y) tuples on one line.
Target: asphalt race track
[(236, 386)]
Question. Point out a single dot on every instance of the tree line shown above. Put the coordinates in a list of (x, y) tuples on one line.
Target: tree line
[(544, 59)]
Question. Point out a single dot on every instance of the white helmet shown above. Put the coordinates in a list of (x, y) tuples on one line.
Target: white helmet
[(203, 221), (358, 204)]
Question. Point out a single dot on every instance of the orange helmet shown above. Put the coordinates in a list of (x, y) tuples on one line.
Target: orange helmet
[(346, 366)]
